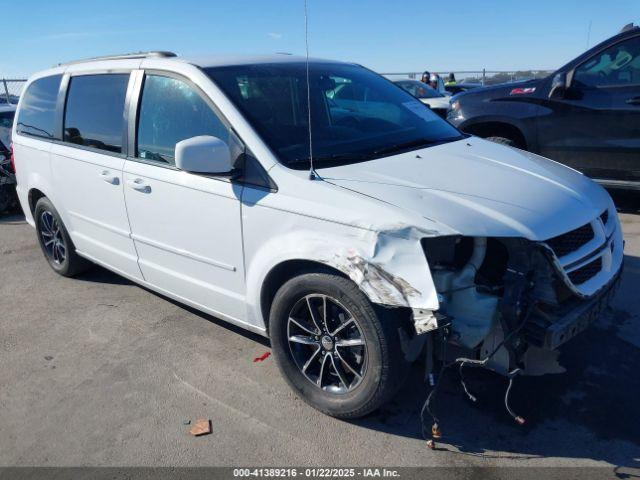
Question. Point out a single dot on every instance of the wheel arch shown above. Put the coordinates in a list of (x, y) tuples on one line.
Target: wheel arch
[(33, 196), (32, 189), (388, 267), (499, 128), (282, 273)]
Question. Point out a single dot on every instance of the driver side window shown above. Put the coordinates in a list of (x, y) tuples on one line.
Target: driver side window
[(618, 65), (171, 111)]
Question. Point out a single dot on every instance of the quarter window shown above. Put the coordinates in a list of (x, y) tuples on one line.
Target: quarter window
[(94, 115), (37, 115), (172, 111), (618, 65)]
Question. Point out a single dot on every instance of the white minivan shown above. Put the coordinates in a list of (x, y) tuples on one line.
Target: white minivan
[(357, 231)]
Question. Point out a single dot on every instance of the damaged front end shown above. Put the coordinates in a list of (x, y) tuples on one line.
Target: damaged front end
[(509, 303)]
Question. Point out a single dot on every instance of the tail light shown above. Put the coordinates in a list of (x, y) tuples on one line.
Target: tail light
[(12, 158)]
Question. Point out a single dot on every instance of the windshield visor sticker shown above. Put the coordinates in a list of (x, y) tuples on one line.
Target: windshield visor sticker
[(420, 109)]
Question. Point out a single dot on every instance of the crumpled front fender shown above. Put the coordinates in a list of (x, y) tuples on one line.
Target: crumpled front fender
[(388, 265)]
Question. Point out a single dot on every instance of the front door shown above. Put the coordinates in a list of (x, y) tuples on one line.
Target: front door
[(186, 227), (596, 127)]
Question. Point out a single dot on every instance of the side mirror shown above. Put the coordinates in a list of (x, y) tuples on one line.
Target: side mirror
[(558, 86), (204, 154)]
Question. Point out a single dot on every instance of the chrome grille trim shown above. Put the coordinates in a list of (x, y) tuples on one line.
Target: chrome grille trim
[(571, 241), (604, 249), (586, 272)]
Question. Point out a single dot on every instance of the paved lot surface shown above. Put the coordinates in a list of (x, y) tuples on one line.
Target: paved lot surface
[(97, 371)]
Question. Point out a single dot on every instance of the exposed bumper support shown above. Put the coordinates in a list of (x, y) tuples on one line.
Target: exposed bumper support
[(550, 330), (426, 321)]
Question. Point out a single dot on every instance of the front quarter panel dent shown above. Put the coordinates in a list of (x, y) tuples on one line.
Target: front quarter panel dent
[(392, 270), (387, 261)]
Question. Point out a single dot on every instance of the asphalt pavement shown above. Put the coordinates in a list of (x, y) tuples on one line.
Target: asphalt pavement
[(98, 371)]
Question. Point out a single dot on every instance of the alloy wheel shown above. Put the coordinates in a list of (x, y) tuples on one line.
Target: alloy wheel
[(52, 238), (327, 343)]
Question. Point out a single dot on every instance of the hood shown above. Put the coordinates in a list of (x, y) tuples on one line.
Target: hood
[(437, 102), (479, 188), (499, 90)]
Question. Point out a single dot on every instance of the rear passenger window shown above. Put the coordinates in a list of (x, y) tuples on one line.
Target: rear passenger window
[(37, 115), (94, 114), (172, 111)]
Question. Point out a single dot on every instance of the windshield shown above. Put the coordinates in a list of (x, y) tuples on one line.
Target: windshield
[(356, 115), (419, 89)]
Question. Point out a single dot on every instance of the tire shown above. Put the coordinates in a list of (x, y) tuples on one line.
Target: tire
[(61, 254), (379, 359), (503, 141)]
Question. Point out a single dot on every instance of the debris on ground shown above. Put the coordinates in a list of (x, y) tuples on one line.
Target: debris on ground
[(186, 422), (262, 357), (201, 427)]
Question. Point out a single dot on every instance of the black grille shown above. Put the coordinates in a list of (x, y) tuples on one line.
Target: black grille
[(605, 217), (571, 241), (583, 274)]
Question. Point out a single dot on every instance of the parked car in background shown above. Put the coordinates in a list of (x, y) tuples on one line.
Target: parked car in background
[(7, 178), (438, 85), (461, 87), (427, 95), (585, 115), (10, 100), (197, 178)]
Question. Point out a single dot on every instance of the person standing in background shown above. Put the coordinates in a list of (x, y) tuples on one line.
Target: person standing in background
[(451, 80), (434, 79)]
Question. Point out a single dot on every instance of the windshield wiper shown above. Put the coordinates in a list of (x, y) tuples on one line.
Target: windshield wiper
[(396, 147), (336, 157), (359, 157)]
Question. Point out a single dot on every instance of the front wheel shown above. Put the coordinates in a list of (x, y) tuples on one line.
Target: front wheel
[(333, 347)]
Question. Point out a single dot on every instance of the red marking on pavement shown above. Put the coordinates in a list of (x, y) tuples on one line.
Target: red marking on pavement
[(262, 357)]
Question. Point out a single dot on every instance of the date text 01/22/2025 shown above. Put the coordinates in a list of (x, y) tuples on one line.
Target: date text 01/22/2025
[(315, 472)]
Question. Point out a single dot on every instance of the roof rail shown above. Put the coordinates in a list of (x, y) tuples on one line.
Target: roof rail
[(152, 54)]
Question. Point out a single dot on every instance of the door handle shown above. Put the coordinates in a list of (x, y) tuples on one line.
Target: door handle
[(634, 101), (109, 178), (139, 185)]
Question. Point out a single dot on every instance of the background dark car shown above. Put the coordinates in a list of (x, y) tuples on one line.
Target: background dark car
[(461, 87), (7, 178), (585, 115), (9, 100), (429, 96)]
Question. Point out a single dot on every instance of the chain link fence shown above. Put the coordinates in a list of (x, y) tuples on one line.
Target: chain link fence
[(10, 90), (483, 77)]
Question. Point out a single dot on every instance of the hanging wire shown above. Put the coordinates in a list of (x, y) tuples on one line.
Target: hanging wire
[(473, 363), (427, 404)]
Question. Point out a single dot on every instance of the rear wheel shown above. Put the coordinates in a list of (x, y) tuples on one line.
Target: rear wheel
[(55, 242), (332, 346)]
